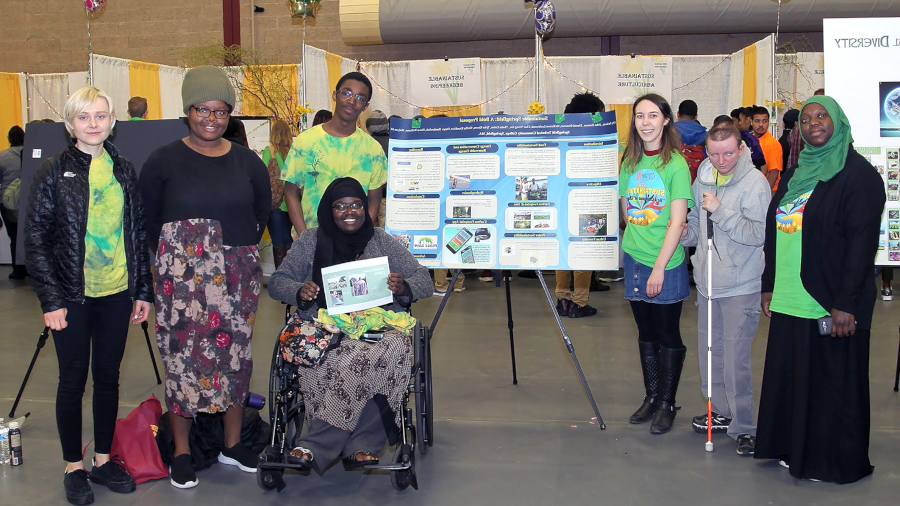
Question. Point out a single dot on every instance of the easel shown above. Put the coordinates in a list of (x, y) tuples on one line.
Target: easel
[(512, 343), (42, 340)]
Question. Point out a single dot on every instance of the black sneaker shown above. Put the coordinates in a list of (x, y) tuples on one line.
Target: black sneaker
[(114, 476), (720, 423), (598, 286), (78, 488), (240, 456), (181, 472), (746, 445), (562, 306), (577, 311)]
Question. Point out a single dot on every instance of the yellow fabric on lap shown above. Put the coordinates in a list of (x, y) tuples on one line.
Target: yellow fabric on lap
[(356, 323)]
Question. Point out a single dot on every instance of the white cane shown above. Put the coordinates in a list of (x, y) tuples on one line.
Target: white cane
[(709, 242)]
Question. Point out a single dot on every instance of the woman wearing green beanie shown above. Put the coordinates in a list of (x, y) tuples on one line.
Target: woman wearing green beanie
[(821, 238), (207, 202)]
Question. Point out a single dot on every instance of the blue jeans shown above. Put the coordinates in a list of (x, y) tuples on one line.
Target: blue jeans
[(280, 228)]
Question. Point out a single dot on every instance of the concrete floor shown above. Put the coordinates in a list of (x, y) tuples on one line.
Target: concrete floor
[(496, 443)]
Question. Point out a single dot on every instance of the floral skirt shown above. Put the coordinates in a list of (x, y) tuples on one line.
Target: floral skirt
[(206, 300), (353, 373)]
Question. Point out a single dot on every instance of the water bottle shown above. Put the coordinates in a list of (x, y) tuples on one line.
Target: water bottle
[(4, 443), (15, 444)]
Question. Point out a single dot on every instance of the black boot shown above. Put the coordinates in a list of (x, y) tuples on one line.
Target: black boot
[(278, 254), (650, 368), (670, 365)]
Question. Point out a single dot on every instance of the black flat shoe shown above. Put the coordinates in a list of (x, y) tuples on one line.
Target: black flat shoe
[(354, 462)]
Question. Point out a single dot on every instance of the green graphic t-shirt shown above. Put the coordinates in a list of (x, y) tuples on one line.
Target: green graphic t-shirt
[(105, 270), (317, 158), (649, 191), (789, 297)]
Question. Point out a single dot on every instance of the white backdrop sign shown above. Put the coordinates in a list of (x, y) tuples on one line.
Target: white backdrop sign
[(862, 75), (626, 78), (445, 83)]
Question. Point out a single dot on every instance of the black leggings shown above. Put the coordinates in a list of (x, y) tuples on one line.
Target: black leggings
[(100, 325), (658, 323)]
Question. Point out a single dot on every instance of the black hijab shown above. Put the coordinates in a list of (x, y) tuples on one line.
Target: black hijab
[(334, 246)]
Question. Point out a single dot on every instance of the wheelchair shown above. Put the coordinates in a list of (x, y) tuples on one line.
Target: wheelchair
[(287, 417)]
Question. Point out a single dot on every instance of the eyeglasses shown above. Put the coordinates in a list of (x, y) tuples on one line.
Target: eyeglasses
[(203, 112), (356, 206), (347, 93)]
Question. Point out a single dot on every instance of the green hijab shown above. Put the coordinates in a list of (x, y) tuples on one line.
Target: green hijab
[(824, 162)]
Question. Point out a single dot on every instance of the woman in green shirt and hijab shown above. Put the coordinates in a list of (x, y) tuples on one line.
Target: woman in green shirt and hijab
[(821, 238)]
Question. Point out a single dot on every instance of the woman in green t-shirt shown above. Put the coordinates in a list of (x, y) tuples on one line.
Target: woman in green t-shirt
[(655, 194), (279, 222)]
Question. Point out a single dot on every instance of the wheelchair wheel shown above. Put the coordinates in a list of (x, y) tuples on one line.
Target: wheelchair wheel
[(274, 383), (418, 379), (429, 394), (401, 480)]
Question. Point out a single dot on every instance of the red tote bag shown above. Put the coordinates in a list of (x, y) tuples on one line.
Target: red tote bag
[(135, 442)]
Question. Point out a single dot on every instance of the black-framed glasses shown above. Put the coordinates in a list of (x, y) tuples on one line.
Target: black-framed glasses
[(356, 206), (203, 112), (347, 93)]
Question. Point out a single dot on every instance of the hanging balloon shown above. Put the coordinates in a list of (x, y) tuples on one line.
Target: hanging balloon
[(303, 8), (544, 17), (94, 6)]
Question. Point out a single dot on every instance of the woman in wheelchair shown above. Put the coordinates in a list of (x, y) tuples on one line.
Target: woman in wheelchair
[(344, 396)]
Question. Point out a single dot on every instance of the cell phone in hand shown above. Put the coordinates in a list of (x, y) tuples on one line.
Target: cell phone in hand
[(824, 324)]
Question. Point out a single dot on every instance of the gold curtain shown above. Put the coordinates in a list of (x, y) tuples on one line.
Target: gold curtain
[(749, 95), (268, 88), (10, 105), (143, 78)]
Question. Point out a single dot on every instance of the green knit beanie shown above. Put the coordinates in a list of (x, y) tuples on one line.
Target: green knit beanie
[(205, 83)]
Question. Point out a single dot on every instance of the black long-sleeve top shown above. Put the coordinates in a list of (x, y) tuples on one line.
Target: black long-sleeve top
[(178, 184), (841, 224)]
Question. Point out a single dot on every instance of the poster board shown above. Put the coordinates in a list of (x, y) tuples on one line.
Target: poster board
[(506, 192), (862, 75)]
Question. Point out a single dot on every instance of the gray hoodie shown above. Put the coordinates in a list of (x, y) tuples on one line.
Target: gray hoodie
[(739, 229)]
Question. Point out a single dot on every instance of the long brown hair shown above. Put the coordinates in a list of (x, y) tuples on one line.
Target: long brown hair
[(280, 137), (670, 141)]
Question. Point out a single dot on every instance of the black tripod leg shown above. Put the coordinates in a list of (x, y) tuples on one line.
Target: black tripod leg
[(897, 374), (587, 388), (40, 344), (144, 327), (440, 310), (512, 342)]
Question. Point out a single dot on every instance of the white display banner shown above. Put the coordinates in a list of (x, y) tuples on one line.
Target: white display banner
[(862, 75), (445, 83), (625, 78)]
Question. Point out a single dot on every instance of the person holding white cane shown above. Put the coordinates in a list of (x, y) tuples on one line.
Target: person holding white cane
[(734, 196)]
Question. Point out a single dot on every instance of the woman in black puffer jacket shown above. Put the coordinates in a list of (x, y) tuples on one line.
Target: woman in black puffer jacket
[(86, 250)]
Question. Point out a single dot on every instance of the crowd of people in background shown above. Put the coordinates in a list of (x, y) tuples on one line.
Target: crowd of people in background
[(202, 204)]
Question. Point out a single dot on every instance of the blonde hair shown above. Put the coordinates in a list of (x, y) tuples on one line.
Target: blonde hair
[(81, 100), (280, 137)]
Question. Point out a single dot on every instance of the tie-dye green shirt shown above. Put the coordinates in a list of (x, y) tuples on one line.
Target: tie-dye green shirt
[(317, 158), (105, 270)]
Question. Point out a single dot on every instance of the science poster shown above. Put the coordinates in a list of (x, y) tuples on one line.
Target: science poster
[(506, 192), (861, 74)]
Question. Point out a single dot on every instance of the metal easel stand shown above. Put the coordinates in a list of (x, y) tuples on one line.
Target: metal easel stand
[(562, 329), (42, 340)]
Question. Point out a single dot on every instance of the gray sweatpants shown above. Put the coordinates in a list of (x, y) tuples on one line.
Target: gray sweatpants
[(328, 442), (734, 323)]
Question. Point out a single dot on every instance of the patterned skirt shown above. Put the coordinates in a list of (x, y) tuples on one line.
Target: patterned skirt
[(354, 372), (206, 300)]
